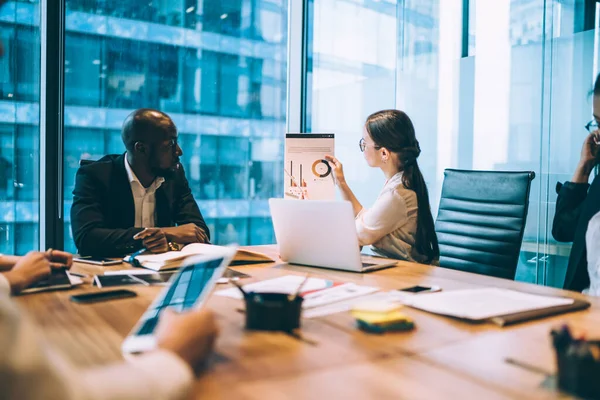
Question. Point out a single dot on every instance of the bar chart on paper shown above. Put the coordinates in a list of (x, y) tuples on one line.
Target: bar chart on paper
[(308, 174)]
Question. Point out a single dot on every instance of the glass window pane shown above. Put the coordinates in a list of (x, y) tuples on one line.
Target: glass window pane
[(19, 127), (519, 101), (215, 66)]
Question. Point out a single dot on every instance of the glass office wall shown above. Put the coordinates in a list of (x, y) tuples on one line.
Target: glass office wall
[(19, 127), (517, 100), (217, 67)]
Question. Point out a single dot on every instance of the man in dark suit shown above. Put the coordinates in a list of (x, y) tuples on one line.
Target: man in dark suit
[(576, 205), (142, 193)]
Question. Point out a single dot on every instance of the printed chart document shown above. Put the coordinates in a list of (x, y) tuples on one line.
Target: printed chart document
[(307, 174), (316, 291), (480, 304)]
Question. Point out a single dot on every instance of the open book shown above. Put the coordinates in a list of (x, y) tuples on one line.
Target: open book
[(172, 259)]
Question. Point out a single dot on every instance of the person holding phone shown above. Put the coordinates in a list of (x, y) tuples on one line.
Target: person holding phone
[(399, 224), (30, 370), (138, 199), (18, 273), (577, 203)]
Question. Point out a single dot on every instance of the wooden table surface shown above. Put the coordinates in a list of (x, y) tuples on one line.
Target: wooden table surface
[(441, 358)]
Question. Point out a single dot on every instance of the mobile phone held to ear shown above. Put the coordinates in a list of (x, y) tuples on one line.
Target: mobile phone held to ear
[(106, 295), (421, 289)]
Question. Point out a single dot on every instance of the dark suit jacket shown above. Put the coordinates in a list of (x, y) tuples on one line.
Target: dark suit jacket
[(103, 213), (575, 206)]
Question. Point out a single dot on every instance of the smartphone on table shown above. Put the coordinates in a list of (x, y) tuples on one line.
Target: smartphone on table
[(421, 289), (102, 296), (97, 260)]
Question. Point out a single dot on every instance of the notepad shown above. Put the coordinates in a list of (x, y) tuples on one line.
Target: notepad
[(172, 259), (485, 303)]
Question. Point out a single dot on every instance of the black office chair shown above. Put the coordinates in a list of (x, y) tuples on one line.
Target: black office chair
[(481, 220), (83, 162)]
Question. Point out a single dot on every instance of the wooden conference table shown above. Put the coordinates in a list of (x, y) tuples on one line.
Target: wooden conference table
[(441, 358)]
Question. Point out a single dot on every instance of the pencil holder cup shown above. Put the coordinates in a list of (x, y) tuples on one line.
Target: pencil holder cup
[(273, 311), (578, 373)]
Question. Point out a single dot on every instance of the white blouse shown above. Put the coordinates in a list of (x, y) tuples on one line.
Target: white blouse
[(390, 225), (592, 244)]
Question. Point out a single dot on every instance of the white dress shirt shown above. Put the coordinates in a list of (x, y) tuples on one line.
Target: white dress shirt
[(592, 244), (144, 199), (30, 370), (390, 225)]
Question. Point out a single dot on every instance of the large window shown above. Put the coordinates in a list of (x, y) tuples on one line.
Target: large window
[(491, 90), (19, 127), (217, 67)]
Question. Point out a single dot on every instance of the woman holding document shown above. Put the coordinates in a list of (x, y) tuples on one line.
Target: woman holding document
[(399, 224)]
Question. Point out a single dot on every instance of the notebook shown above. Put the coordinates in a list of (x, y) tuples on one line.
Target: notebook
[(172, 259), (502, 306)]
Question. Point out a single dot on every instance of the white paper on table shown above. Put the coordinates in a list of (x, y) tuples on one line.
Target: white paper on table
[(347, 305), (336, 294), (325, 292), (75, 280), (479, 304), (131, 272), (285, 284)]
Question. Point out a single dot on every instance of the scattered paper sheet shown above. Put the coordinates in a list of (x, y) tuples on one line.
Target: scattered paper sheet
[(316, 291)]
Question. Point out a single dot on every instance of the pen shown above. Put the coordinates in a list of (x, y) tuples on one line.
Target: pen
[(132, 258), (237, 285), (78, 274), (292, 298), (526, 366)]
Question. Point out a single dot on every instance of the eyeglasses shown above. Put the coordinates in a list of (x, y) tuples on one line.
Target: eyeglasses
[(362, 145), (592, 126)]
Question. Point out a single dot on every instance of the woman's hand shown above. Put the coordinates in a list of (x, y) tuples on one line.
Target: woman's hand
[(589, 151), (338, 170)]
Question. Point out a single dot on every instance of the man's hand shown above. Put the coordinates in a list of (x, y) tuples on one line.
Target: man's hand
[(154, 240), (28, 270), (184, 234), (191, 335)]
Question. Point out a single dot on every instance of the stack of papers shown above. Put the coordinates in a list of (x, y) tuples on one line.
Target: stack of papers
[(481, 304)]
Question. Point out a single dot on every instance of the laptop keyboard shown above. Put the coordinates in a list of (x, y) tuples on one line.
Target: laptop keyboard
[(182, 294)]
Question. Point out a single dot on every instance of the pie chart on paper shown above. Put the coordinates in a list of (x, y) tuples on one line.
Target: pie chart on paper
[(321, 168)]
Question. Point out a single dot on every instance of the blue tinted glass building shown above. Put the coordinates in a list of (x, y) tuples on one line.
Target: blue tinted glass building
[(217, 67)]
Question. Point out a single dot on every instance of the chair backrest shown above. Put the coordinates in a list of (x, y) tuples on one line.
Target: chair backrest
[(85, 162), (481, 220)]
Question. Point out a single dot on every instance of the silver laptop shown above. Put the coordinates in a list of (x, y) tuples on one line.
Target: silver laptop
[(320, 233)]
